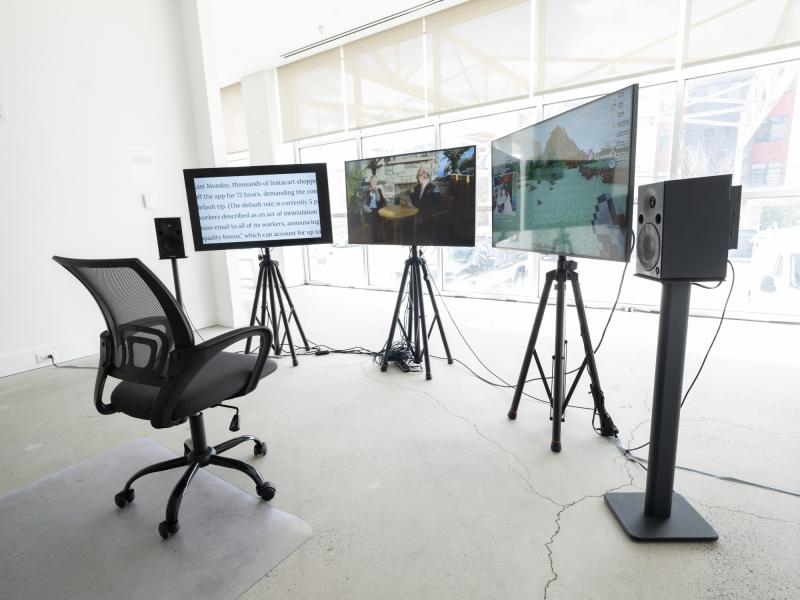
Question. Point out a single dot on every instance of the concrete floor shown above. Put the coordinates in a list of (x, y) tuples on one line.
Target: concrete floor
[(424, 489)]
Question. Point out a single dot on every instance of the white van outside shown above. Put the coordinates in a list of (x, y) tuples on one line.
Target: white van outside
[(775, 266)]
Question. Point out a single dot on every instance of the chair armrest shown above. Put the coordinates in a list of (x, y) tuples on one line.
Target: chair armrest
[(210, 348), (186, 363), (102, 372)]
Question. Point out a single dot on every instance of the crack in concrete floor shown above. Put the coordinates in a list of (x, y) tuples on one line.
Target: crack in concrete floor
[(563, 507)]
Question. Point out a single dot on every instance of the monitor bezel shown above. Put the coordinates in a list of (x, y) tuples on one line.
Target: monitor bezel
[(323, 196), (474, 184), (631, 176)]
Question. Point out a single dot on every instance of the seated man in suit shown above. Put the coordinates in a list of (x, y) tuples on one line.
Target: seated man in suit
[(426, 197), (373, 202)]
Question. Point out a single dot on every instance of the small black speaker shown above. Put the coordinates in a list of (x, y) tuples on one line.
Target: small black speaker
[(684, 228), (169, 236)]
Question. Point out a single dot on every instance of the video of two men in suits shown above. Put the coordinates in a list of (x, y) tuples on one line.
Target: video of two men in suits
[(415, 199)]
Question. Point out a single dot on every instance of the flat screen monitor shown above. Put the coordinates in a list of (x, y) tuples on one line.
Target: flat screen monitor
[(564, 186), (415, 199), (259, 206)]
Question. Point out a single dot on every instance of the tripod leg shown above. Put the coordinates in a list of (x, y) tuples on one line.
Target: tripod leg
[(255, 303), (274, 279), (436, 317), (292, 311), (558, 370), (274, 319), (607, 427), (421, 301), (414, 329), (385, 359), (526, 360), (543, 376)]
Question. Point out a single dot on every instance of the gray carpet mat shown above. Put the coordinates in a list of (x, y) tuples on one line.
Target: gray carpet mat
[(63, 536)]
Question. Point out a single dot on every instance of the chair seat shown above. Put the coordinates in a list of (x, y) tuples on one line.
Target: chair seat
[(223, 377)]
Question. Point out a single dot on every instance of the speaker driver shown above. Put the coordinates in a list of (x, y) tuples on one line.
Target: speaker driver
[(648, 246), (173, 246)]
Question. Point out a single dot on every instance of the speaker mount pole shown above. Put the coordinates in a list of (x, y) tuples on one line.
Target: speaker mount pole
[(177, 281), (660, 514)]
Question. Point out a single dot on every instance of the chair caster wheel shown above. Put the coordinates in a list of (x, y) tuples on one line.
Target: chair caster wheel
[(260, 449), (165, 528), (266, 491), (123, 497)]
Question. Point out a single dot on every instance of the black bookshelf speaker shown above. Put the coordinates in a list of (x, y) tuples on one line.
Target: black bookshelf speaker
[(684, 228), (169, 237)]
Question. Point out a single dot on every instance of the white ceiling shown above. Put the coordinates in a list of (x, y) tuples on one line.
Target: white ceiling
[(251, 35)]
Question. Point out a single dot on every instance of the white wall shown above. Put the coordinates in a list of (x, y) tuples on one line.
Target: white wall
[(83, 82)]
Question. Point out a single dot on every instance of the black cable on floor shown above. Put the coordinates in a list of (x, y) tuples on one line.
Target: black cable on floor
[(57, 366), (628, 452), (641, 461)]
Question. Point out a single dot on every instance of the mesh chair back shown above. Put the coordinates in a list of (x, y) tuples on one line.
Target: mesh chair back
[(144, 320)]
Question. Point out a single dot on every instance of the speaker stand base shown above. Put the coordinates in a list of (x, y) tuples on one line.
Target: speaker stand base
[(683, 525)]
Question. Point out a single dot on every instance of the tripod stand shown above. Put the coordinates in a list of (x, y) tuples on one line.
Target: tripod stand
[(269, 278), (415, 329), (558, 402)]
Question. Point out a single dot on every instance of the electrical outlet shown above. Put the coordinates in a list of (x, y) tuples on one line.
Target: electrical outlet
[(44, 358)]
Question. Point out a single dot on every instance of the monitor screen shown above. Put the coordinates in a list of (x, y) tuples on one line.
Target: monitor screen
[(258, 207), (416, 199), (565, 185)]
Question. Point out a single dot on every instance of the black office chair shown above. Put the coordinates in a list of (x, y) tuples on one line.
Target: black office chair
[(166, 378)]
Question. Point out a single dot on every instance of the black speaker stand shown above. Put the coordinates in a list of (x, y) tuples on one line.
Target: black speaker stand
[(177, 280), (660, 514), (565, 270), (270, 281), (415, 333)]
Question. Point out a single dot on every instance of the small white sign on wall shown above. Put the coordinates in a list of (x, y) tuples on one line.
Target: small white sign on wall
[(143, 169)]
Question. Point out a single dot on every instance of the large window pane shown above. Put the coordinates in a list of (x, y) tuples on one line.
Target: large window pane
[(556, 108), (399, 142), (584, 42), (741, 123), (386, 264), (311, 96), (385, 76), (481, 132), (654, 127), (766, 260), (334, 156), (720, 28), (337, 263), (487, 270), (478, 52)]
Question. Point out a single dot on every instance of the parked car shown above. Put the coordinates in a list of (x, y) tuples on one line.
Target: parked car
[(744, 250), (488, 267), (775, 270)]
